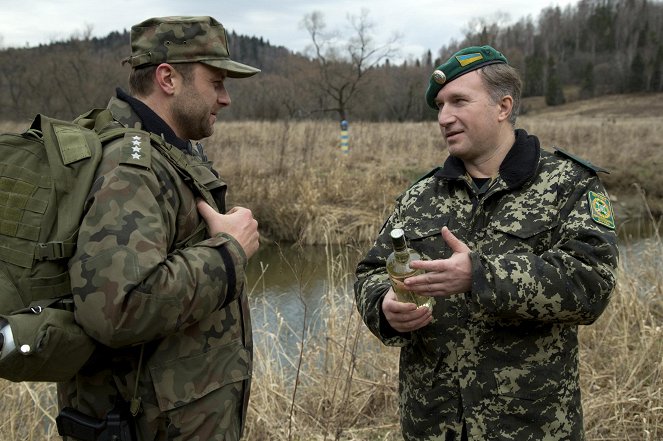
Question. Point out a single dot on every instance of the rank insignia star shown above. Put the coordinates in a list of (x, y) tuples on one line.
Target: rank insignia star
[(135, 141), (136, 150)]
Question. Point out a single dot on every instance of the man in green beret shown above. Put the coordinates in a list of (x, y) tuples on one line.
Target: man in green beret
[(519, 249), (158, 274)]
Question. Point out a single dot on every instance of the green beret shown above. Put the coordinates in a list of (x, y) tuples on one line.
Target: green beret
[(184, 40), (464, 61)]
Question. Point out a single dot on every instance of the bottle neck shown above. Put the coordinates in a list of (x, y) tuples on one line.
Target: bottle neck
[(402, 255), (399, 244), (400, 248)]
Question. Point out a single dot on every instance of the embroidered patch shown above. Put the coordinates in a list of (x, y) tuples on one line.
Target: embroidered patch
[(464, 60), (601, 209), (136, 149)]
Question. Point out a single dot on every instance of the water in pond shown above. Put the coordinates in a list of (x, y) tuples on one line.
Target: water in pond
[(288, 283), (289, 288)]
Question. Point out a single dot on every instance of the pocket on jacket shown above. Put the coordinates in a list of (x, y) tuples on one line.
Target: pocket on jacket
[(529, 233), (527, 384), (183, 380), (424, 236), (422, 228)]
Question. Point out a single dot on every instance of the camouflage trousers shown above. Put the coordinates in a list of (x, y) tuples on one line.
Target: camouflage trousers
[(216, 416)]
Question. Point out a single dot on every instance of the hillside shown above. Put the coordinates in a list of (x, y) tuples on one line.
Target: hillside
[(592, 49)]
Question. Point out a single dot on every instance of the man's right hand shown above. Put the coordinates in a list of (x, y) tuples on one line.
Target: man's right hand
[(404, 317), (238, 222)]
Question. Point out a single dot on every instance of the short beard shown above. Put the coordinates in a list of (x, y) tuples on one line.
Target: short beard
[(187, 116)]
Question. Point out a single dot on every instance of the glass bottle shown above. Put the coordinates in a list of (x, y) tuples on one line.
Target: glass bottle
[(398, 267)]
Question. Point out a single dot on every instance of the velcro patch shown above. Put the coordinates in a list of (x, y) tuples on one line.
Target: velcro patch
[(601, 209)]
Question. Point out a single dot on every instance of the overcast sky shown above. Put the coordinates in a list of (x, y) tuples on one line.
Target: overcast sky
[(421, 24)]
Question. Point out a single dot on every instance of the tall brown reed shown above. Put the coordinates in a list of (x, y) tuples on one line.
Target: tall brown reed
[(301, 186), (341, 384)]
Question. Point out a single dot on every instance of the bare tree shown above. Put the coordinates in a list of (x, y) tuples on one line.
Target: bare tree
[(345, 64)]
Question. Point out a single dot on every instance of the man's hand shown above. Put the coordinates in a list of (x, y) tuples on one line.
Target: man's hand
[(444, 277), (238, 222), (404, 317)]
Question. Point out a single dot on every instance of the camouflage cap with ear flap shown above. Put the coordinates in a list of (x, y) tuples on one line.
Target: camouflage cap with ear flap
[(184, 40), (464, 61)]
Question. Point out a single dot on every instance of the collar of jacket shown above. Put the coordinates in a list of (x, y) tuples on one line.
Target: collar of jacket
[(518, 166), (150, 121)]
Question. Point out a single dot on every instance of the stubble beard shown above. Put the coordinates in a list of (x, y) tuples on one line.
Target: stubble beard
[(192, 117)]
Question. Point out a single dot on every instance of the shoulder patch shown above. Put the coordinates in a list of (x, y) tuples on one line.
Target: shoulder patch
[(601, 210), (136, 149), (581, 161)]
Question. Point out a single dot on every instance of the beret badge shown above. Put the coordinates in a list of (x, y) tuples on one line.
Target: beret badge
[(439, 77)]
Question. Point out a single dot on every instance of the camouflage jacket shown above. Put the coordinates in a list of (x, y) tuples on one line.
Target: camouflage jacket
[(502, 358), (136, 280)]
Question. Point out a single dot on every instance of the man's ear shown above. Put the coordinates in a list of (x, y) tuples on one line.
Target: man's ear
[(167, 78), (506, 107)]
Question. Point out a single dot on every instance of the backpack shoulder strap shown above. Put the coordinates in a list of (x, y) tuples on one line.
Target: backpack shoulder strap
[(196, 175)]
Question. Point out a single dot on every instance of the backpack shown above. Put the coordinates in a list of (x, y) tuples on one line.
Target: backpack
[(45, 176)]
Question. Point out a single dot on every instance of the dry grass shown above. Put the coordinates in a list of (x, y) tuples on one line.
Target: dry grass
[(622, 355), (301, 187), (299, 184), (342, 384)]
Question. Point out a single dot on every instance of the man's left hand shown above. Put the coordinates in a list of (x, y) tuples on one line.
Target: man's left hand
[(444, 277)]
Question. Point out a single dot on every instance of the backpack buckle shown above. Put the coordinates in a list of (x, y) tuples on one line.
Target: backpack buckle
[(53, 250)]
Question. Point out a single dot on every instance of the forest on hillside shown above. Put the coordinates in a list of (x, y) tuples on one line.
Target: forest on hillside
[(591, 48)]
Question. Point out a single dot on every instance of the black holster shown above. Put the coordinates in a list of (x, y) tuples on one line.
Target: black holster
[(118, 425)]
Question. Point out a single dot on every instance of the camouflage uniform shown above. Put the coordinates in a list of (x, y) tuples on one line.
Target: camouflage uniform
[(502, 358), (135, 282)]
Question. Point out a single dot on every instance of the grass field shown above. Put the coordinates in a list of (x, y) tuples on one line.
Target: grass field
[(302, 188)]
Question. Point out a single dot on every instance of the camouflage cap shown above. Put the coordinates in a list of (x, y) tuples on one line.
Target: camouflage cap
[(184, 40), (464, 61)]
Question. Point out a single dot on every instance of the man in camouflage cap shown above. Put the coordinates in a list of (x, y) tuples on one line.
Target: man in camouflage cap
[(518, 248), (158, 275)]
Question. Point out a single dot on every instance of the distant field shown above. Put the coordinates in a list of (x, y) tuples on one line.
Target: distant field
[(294, 177), (615, 106)]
